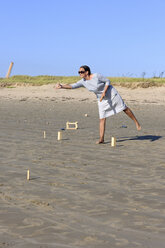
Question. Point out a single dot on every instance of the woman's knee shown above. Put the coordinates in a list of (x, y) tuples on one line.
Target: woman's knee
[(102, 120), (126, 109)]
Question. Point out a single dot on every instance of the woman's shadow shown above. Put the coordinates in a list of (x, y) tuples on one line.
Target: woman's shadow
[(144, 137)]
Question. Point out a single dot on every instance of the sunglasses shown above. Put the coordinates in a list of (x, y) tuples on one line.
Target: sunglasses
[(81, 72)]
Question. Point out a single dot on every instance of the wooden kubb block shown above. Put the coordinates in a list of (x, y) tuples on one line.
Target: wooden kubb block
[(113, 141), (72, 125), (28, 175), (59, 136)]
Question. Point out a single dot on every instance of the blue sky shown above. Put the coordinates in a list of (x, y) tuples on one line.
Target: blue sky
[(55, 37)]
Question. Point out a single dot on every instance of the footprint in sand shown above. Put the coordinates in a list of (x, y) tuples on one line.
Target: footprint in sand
[(33, 222)]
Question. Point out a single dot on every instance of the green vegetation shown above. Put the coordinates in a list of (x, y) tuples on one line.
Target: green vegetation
[(133, 83), (128, 82), (22, 80)]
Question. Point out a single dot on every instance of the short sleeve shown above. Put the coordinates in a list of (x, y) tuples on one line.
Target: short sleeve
[(104, 79), (77, 85)]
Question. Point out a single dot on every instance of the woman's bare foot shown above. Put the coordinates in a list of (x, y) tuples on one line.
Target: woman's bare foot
[(100, 142), (138, 126), (131, 115)]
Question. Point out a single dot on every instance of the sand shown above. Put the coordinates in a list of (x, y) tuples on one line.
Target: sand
[(150, 95), (81, 194)]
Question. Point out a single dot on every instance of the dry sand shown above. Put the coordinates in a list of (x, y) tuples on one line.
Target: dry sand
[(150, 95), (81, 194)]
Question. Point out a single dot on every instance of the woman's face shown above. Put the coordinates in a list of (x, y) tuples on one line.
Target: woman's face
[(82, 72)]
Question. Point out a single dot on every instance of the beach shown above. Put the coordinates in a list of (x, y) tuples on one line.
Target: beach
[(81, 194)]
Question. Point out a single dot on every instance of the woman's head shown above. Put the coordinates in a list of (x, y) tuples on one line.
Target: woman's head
[(84, 71)]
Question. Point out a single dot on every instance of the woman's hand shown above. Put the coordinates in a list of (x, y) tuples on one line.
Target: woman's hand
[(58, 86), (104, 92), (102, 96)]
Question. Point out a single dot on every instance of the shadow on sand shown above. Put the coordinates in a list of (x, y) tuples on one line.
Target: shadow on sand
[(144, 137)]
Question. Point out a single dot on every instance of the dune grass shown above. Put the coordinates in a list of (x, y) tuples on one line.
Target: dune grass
[(24, 80), (133, 83), (35, 80)]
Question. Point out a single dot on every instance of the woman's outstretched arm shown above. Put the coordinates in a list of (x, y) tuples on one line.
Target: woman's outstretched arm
[(63, 86), (70, 86)]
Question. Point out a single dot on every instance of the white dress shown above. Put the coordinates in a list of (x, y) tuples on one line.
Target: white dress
[(112, 103)]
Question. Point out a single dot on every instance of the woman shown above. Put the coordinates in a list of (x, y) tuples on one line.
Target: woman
[(109, 100)]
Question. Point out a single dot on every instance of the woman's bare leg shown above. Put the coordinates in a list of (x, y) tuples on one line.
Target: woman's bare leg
[(131, 115), (102, 130)]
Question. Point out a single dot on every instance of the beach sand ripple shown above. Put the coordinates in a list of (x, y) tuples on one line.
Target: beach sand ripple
[(80, 194)]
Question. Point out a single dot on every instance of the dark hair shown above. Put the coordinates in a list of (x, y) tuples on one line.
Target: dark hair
[(86, 68)]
